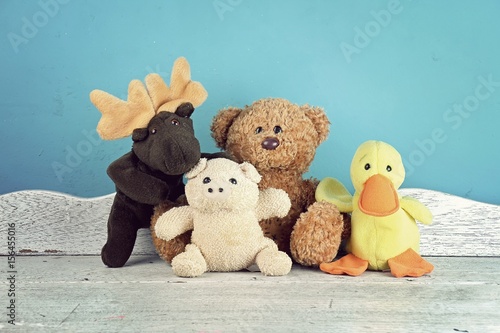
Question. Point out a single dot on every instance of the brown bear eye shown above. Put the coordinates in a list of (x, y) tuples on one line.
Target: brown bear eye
[(258, 130), (277, 129), (153, 131), (175, 122), (233, 181), (206, 180)]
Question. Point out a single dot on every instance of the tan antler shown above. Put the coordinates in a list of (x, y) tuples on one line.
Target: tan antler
[(120, 118), (181, 89)]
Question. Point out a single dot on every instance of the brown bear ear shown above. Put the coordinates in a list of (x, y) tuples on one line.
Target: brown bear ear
[(319, 119), (221, 124)]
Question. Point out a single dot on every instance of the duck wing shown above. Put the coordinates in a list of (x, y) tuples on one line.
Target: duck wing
[(416, 209), (333, 191)]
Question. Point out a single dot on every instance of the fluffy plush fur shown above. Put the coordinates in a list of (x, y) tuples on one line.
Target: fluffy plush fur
[(280, 139), (225, 205)]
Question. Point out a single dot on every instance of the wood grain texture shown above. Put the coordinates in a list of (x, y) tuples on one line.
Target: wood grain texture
[(79, 294), (49, 222)]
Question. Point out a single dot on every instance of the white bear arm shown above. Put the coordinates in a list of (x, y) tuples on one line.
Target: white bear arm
[(174, 222), (273, 203)]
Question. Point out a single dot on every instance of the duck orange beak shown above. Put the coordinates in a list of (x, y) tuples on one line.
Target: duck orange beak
[(378, 198)]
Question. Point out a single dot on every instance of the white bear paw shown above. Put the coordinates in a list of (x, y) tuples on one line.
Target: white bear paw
[(190, 263), (274, 263)]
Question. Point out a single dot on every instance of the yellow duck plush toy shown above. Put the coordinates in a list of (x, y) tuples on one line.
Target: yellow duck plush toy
[(384, 232)]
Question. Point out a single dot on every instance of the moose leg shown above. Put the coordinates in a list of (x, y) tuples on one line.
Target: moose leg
[(125, 218)]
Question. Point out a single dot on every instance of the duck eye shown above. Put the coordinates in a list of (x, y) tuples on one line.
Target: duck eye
[(233, 181), (367, 166), (153, 131), (389, 168), (277, 129), (206, 180), (175, 122), (258, 130)]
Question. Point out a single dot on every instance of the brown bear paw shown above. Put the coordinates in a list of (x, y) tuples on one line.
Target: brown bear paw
[(317, 234)]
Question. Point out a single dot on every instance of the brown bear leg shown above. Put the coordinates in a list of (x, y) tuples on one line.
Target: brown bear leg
[(317, 234), (125, 218)]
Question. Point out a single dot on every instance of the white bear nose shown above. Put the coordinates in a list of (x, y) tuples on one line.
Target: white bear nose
[(217, 191), (211, 190)]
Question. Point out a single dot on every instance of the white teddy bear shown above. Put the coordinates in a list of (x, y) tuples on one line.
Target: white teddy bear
[(225, 207)]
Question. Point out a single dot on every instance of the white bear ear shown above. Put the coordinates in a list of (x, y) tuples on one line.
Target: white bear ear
[(250, 172), (199, 167)]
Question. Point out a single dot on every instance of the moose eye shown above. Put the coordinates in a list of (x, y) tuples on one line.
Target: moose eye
[(175, 122), (153, 131), (258, 130), (233, 181), (277, 129), (367, 166), (206, 180), (389, 168)]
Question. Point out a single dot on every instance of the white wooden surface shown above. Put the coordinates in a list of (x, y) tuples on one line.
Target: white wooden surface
[(49, 222), (61, 284), (78, 294)]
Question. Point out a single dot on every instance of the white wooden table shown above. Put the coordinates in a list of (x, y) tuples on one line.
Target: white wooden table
[(61, 284)]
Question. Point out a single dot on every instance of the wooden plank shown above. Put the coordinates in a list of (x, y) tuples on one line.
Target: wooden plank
[(48, 222), (79, 294), (461, 227)]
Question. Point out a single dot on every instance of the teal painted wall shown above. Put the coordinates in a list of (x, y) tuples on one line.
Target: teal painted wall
[(421, 75)]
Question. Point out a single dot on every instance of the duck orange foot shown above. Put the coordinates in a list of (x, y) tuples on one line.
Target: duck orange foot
[(349, 264), (409, 263)]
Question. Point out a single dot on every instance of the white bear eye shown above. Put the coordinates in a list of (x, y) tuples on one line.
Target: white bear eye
[(206, 180), (233, 181)]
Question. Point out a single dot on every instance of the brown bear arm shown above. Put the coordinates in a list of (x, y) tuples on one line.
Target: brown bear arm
[(317, 234)]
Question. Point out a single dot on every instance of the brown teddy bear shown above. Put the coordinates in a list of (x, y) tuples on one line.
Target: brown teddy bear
[(280, 139)]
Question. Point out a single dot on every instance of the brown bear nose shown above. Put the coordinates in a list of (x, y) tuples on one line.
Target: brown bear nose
[(270, 143)]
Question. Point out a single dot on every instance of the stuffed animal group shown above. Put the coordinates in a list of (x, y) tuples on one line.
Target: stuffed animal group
[(249, 204)]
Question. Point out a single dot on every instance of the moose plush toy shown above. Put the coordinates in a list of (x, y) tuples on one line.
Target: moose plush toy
[(164, 148), (225, 206)]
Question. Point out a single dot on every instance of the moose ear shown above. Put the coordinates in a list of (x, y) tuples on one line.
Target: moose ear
[(185, 110), (140, 134), (250, 172), (195, 171)]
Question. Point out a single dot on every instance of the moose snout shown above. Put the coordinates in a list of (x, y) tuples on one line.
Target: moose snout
[(270, 143)]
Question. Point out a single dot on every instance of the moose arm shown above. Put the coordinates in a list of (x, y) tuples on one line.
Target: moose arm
[(135, 183)]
